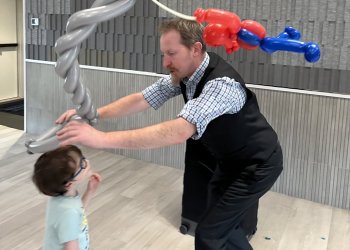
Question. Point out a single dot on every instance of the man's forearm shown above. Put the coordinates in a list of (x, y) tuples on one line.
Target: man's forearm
[(163, 134), (124, 106)]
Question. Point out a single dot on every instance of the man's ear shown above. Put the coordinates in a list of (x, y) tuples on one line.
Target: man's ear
[(198, 48)]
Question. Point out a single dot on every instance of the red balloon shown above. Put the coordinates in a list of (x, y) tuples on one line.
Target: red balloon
[(229, 19), (255, 28), (217, 34), (222, 28)]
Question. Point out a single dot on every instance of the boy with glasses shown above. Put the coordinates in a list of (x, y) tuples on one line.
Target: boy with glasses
[(57, 174)]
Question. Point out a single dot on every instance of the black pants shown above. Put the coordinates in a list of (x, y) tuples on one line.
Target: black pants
[(229, 199), (197, 175)]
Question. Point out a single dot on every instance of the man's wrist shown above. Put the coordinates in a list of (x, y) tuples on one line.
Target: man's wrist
[(99, 114)]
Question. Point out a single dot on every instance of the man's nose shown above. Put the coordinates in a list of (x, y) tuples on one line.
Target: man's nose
[(166, 62)]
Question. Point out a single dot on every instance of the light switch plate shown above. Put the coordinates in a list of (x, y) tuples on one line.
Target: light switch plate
[(34, 21)]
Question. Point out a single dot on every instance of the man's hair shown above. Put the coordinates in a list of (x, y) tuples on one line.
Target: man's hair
[(54, 169), (190, 31)]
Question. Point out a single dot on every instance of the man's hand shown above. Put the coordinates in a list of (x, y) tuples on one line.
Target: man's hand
[(65, 117), (76, 132)]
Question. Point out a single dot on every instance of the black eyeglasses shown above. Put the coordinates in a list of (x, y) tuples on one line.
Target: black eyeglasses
[(82, 166)]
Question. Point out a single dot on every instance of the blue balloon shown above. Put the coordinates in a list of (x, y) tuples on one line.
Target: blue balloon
[(290, 33), (249, 37), (288, 40), (311, 50)]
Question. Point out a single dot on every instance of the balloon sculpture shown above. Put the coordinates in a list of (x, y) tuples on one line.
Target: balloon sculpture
[(223, 29), (226, 29), (79, 26)]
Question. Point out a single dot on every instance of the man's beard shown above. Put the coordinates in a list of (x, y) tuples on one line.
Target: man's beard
[(175, 80)]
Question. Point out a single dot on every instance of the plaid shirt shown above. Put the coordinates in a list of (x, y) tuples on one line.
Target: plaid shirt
[(219, 96)]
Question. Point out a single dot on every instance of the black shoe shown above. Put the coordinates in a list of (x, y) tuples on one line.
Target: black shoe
[(250, 236)]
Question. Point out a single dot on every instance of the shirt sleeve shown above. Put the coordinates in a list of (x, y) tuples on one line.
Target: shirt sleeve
[(161, 91), (219, 96), (69, 226)]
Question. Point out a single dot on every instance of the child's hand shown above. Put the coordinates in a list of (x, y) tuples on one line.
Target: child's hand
[(94, 182)]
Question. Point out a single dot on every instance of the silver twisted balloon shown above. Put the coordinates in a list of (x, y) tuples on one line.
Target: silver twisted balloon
[(79, 26)]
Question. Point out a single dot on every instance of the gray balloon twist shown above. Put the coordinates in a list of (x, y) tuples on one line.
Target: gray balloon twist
[(79, 27)]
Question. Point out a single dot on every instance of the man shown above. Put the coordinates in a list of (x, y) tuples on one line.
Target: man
[(221, 116)]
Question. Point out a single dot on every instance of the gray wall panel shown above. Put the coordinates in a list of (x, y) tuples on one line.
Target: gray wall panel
[(42, 52), (57, 7), (110, 42), (118, 59), (129, 44), (101, 41), (50, 7), (34, 6), (121, 42), (134, 26), (313, 130)]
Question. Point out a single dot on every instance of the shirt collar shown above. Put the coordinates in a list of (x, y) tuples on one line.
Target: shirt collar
[(198, 74)]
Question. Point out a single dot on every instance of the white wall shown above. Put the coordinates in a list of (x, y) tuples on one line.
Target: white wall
[(8, 55), (20, 48)]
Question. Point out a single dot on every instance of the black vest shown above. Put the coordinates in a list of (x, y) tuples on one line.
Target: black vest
[(242, 138)]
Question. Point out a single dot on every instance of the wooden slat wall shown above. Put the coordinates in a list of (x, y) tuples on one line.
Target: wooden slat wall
[(132, 41), (313, 130)]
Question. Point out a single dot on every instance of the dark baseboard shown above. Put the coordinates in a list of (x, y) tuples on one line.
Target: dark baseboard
[(10, 102), (15, 106), (12, 120)]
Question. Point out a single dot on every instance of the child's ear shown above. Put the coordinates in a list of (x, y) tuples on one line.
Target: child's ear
[(68, 185)]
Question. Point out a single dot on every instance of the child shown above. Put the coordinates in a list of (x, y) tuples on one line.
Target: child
[(57, 174)]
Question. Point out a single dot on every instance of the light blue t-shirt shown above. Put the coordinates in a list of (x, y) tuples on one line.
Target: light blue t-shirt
[(65, 221)]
